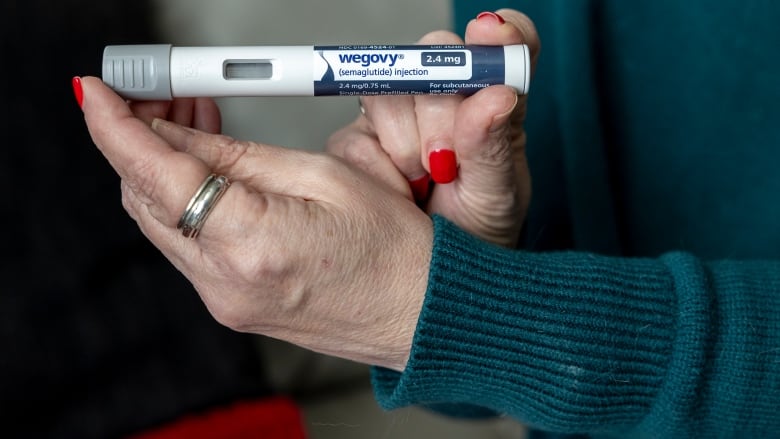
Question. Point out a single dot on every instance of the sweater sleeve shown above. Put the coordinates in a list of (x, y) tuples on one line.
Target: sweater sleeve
[(580, 343)]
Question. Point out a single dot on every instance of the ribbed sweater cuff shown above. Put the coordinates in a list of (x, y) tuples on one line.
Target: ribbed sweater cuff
[(567, 341)]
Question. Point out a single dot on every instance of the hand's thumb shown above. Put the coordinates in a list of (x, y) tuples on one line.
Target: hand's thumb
[(493, 188), (485, 139)]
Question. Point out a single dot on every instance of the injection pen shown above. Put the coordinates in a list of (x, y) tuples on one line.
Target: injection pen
[(164, 72)]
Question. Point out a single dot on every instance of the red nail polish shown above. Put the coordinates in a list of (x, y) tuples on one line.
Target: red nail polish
[(78, 90), (444, 166), (491, 16), (420, 188)]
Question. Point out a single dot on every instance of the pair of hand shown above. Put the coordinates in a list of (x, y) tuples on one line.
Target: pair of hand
[(327, 251)]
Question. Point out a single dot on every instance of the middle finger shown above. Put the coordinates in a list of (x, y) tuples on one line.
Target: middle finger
[(435, 118)]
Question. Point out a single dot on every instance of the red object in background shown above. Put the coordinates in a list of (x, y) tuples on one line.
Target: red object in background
[(276, 418)]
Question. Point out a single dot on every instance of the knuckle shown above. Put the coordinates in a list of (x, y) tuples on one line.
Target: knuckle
[(230, 294), (231, 314), (360, 154), (349, 134), (499, 151), (128, 201), (228, 152), (143, 177), (336, 141), (240, 267), (260, 284)]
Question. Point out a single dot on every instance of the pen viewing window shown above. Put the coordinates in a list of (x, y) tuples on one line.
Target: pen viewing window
[(248, 69)]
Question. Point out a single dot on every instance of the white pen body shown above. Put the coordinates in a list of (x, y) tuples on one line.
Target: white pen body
[(242, 71), (146, 72)]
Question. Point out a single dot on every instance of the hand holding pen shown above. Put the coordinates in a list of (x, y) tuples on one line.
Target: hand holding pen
[(473, 147), (325, 252)]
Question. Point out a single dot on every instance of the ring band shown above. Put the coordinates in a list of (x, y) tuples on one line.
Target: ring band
[(360, 105), (201, 204)]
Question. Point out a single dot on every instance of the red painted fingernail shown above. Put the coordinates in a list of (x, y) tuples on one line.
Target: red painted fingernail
[(420, 188), (491, 16), (444, 166), (78, 90)]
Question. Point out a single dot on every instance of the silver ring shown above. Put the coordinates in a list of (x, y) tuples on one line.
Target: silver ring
[(360, 105), (201, 204)]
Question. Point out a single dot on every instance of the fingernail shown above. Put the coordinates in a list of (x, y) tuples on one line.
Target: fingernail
[(444, 166), (420, 188), (490, 16), (157, 123), (78, 90)]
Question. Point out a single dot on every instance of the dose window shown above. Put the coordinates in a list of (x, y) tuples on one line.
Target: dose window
[(248, 69)]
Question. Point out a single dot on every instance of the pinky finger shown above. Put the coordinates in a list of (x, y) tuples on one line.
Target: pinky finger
[(162, 236)]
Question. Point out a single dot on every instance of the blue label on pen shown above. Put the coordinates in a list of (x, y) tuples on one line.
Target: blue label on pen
[(406, 70)]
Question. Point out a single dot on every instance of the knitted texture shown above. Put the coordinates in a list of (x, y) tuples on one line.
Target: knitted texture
[(556, 335), (573, 342), (646, 301)]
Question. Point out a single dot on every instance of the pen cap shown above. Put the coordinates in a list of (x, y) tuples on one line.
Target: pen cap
[(140, 72), (517, 67)]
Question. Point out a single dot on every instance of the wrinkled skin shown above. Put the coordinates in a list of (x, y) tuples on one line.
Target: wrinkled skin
[(324, 250)]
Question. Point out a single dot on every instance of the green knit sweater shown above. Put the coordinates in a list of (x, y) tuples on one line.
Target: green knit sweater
[(646, 299)]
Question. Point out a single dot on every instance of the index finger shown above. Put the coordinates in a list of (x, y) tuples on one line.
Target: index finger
[(435, 119)]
